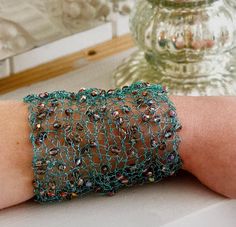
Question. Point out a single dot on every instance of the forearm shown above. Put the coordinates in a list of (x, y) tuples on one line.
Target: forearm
[(207, 148)]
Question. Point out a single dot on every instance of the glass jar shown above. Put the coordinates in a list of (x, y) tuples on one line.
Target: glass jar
[(188, 45)]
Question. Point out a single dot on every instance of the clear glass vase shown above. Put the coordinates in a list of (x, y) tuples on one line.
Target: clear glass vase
[(188, 45)]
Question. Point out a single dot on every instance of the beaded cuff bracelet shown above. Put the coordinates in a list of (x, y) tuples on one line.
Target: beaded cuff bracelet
[(101, 141)]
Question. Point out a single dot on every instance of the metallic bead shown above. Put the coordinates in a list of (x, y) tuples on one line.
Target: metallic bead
[(150, 102), (139, 101), (69, 112), (119, 176), (79, 127), (135, 92), (54, 151), (78, 162), (56, 125), (73, 95), (61, 167), (168, 134), (146, 117), (39, 163), (41, 116), (54, 102), (51, 111), (111, 91), (126, 109), (63, 194), (103, 109), (115, 150), (125, 181), (84, 149), (115, 113), (74, 194), (41, 107), (38, 126), (92, 144), (51, 194), (52, 185), (157, 119), (162, 146), (82, 89), (88, 184), (151, 179), (67, 127), (83, 98), (125, 87), (43, 95), (119, 121), (144, 93), (80, 182), (104, 169), (94, 93), (96, 117), (171, 157), (154, 143), (172, 113), (42, 136)]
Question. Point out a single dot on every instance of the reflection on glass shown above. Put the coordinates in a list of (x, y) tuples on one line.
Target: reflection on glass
[(185, 44)]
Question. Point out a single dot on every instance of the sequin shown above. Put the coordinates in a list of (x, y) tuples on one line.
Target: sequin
[(115, 113)]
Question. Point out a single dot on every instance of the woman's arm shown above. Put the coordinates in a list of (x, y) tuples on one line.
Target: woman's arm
[(208, 146)]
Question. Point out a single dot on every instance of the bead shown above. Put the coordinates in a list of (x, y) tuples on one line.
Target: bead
[(43, 95), (157, 119), (63, 194), (82, 89), (162, 146), (83, 98), (125, 181), (94, 93), (139, 101), (126, 109), (39, 163), (171, 157), (151, 179), (41, 116), (73, 96), (115, 113), (172, 113), (80, 182), (135, 92), (168, 134), (150, 102), (56, 125), (61, 167), (104, 169), (78, 162), (146, 118), (111, 91), (96, 117), (67, 127), (88, 184), (79, 127), (52, 185), (144, 93), (42, 136), (74, 194), (115, 150), (54, 151), (54, 102), (69, 112), (51, 111), (134, 129), (119, 176), (92, 143), (119, 121), (38, 126), (153, 143)]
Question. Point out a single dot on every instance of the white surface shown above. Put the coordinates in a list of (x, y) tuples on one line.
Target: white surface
[(4, 68), (62, 47), (180, 198)]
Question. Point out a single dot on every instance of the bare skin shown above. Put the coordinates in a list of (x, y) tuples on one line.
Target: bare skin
[(208, 146)]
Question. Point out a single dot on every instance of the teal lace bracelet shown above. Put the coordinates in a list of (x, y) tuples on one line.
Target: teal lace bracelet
[(100, 141)]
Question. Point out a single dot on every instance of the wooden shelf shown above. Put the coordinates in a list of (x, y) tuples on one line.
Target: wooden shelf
[(65, 64)]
